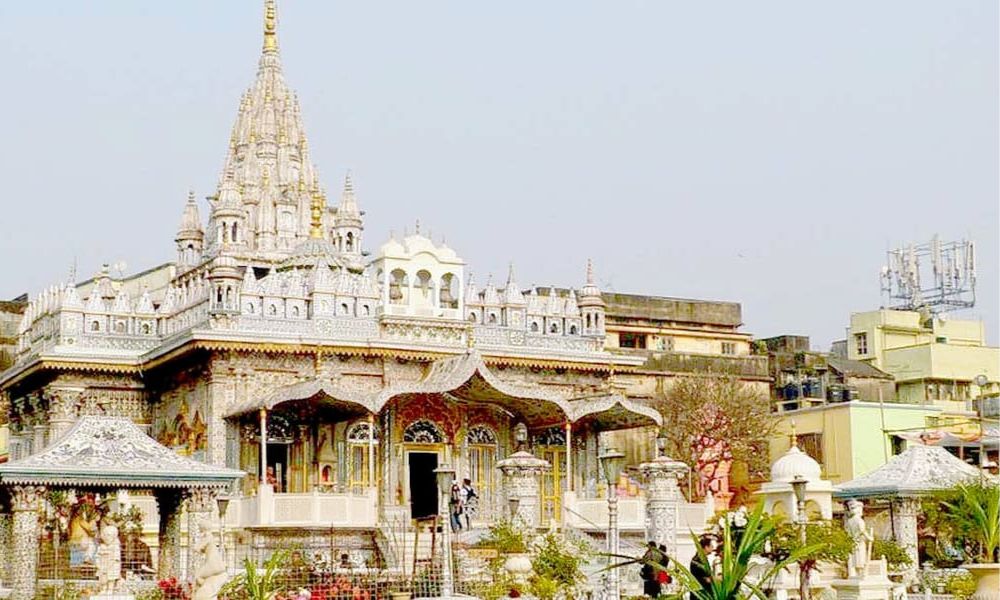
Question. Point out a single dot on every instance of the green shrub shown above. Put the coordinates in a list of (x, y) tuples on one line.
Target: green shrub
[(895, 555)]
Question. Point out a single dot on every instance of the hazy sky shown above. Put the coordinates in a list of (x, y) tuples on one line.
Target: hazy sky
[(762, 152)]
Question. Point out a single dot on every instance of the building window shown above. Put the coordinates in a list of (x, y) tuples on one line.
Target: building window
[(812, 444), (729, 348), (861, 343), (632, 340)]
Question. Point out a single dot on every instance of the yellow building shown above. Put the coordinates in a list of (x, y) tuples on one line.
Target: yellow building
[(849, 439), (934, 360)]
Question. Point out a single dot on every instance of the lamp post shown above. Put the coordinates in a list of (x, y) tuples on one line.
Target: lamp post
[(612, 462), (981, 382), (445, 476), (661, 444), (799, 488), (222, 501)]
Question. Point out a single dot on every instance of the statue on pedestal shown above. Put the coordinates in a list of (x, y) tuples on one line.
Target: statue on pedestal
[(210, 575), (857, 562), (109, 558)]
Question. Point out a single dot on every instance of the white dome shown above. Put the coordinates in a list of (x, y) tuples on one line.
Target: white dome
[(794, 463)]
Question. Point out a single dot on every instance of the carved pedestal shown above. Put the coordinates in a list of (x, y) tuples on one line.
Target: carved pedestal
[(663, 501), (520, 480), (25, 502), (169, 505)]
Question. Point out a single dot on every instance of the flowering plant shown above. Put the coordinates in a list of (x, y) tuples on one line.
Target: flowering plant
[(174, 590)]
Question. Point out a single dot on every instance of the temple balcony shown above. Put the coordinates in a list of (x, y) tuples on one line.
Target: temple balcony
[(307, 509)]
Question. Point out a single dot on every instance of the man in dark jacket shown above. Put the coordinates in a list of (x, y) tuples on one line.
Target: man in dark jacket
[(700, 567)]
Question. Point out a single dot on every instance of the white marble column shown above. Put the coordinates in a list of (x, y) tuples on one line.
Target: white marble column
[(663, 500), (521, 471), (904, 526), (201, 510), (25, 502)]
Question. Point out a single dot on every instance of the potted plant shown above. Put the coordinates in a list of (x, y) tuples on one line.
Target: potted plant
[(975, 507), (508, 540), (897, 560)]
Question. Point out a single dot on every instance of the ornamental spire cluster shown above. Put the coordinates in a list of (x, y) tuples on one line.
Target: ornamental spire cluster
[(265, 205)]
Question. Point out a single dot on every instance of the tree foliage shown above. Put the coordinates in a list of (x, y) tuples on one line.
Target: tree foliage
[(714, 420), (826, 541), (963, 523)]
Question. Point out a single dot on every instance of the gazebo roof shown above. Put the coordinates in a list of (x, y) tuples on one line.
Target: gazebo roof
[(917, 470), (112, 452)]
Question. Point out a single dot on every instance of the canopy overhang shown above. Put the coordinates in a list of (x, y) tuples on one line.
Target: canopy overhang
[(113, 452), (916, 471), (466, 378)]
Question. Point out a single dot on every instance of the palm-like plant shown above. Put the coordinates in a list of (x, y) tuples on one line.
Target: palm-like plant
[(733, 580), (978, 505), (257, 583)]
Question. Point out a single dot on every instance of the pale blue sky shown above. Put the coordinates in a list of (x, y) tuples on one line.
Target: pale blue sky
[(762, 152)]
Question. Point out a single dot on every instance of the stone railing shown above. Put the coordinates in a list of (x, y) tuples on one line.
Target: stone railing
[(271, 509)]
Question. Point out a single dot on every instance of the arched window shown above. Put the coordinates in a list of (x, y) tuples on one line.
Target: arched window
[(425, 288), (572, 329), (145, 328), (361, 432), (472, 317), (248, 308), (588, 320), (234, 237), (554, 328), (481, 434), (482, 448), (349, 245), (534, 327), (120, 327), (345, 309), (399, 285), (272, 310), (295, 311), (95, 325), (448, 297), (366, 310), (423, 431), (493, 318)]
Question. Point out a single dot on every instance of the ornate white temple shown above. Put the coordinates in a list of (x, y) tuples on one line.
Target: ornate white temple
[(337, 380)]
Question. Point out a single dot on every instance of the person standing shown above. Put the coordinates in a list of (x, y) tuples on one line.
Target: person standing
[(701, 564), (455, 507), (470, 501), (649, 571)]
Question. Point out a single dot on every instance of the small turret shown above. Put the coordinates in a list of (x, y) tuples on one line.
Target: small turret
[(225, 279), (190, 235), (591, 305), (348, 224)]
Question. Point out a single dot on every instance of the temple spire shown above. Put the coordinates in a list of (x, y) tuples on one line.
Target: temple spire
[(270, 27), (316, 215)]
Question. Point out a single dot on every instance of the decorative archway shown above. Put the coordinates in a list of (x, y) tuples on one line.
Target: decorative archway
[(423, 431)]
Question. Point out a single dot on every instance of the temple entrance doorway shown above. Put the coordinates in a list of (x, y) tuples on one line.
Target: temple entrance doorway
[(277, 466), (423, 484)]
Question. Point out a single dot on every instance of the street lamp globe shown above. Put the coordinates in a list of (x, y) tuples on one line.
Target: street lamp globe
[(799, 488), (612, 462), (661, 444), (520, 435)]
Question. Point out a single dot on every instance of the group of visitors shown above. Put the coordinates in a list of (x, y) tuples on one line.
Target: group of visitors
[(654, 571), (655, 566), (462, 501)]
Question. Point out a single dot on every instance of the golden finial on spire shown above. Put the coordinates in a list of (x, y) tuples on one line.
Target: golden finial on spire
[(793, 437), (270, 26), (316, 215)]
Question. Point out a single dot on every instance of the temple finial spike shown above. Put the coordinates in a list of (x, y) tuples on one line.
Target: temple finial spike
[(270, 26), (793, 437), (590, 271), (316, 215)]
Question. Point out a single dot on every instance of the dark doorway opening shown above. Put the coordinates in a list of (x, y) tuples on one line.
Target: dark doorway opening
[(277, 466), (423, 484)]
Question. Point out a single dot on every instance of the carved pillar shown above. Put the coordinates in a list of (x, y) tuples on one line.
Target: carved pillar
[(663, 500), (62, 410), (200, 506), (25, 502), (217, 403), (5, 534), (521, 471), (40, 430), (904, 527), (169, 503)]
